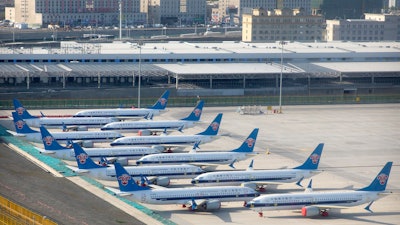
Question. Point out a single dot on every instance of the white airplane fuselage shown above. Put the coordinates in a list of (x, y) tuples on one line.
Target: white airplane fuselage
[(147, 125), (141, 112), (64, 137), (171, 171), (299, 200), (164, 140), (217, 158), (69, 121), (185, 195), (253, 176)]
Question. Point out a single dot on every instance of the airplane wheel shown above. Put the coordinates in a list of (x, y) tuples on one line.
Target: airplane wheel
[(324, 213), (261, 189), (260, 214), (244, 203), (183, 206)]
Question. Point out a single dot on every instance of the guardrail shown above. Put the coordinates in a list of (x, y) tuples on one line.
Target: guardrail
[(209, 101)]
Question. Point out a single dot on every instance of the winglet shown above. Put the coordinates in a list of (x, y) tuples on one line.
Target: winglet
[(194, 205), (368, 207), (312, 161), (231, 165), (21, 111), (380, 181), (249, 143), (20, 125), (125, 181), (196, 145), (250, 168), (161, 103), (213, 128), (309, 187), (83, 159), (196, 113), (298, 183), (50, 144)]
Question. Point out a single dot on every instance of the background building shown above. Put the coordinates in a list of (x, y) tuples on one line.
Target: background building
[(282, 25), (375, 27)]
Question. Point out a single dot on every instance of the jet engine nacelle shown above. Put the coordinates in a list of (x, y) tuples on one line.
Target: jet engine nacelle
[(82, 128), (87, 144), (210, 205), (144, 133), (250, 185), (308, 211), (159, 148), (161, 181)]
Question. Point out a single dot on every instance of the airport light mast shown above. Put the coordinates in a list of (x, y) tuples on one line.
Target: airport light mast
[(120, 19), (140, 43)]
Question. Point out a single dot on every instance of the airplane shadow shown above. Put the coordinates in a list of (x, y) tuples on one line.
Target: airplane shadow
[(338, 215)]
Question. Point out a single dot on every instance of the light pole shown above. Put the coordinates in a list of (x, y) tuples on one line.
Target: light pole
[(140, 70), (280, 81), (120, 19)]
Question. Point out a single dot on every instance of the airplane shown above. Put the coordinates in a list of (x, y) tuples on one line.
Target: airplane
[(121, 154), (23, 130), (318, 203), (155, 110), (257, 178), (205, 158), (150, 127), (158, 175), (174, 140), (197, 198), (75, 123)]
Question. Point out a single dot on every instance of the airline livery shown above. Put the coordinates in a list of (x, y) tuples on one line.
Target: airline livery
[(155, 110), (197, 198), (318, 203), (122, 154), (158, 175), (71, 122), (174, 140), (25, 131), (205, 158), (156, 126), (257, 178)]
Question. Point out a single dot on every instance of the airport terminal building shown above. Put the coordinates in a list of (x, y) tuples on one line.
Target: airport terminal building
[(209, 68)]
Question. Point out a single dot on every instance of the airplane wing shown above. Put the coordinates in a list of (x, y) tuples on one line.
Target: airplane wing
[(16, 134), (118, 192), (331, 207)]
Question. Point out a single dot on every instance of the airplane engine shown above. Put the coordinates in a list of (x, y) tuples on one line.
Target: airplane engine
[(87, 144), (123, 161), (144, 133), (250, 185), (210, 205), (161, 181), (309, 211), (159, 148), (82, 128)]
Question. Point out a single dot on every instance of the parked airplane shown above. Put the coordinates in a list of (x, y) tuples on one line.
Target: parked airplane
[(128, 113), (70, 122), (148, 127), (198, 198), (205, 158), (23, 130), (318, 203), (174, 140), (121, 154), (158, 175), (257, 178)]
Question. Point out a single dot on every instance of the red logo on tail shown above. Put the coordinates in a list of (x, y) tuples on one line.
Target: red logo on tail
[(197, 112), (382, 178), (314, 158), (48, 140), (250, 142), (20, 124), (214, 126), (124, 178), (82, 158), (20, 110), (162, 101)]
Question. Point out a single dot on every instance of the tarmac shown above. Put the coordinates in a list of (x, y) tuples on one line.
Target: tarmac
[(359, 139)]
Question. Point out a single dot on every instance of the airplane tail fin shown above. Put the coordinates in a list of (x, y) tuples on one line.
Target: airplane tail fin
[(213, 128), (249, 143), (20, 125), (21, 111), (196, 113), (125, 181), (380, 181), (162, 101), (312, 161), (50, 144), (83, 159)]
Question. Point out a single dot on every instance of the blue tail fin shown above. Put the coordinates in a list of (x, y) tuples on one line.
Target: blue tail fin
[(162, 101), (380, 181), (49, 142), (312, 161), (125, 181), (213, 128), (249, 143), (20, 126), (83, 159), (196, 113), (21, 111)]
